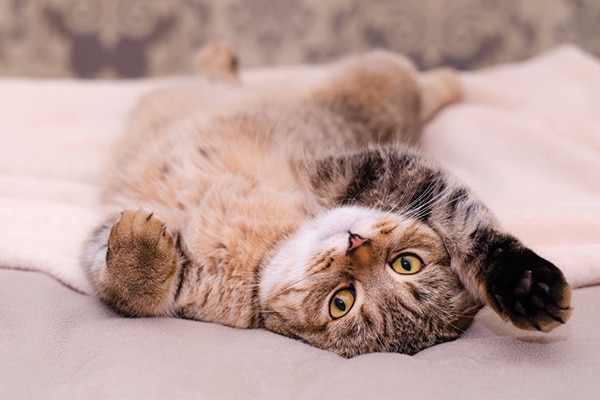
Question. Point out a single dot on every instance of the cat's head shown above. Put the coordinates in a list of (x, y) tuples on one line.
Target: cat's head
[(357, 280)]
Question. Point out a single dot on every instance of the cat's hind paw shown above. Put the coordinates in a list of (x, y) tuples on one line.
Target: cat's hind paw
[(530, 291), (141, 265), (217, 61), (439, 87)]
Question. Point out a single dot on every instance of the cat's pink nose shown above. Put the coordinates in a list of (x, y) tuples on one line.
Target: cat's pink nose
[(356, 241)]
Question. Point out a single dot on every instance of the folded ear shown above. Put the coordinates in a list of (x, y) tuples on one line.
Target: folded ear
[(217, 61)]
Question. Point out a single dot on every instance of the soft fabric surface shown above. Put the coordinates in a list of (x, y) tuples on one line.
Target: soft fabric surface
[(58, 344), (526, 137)]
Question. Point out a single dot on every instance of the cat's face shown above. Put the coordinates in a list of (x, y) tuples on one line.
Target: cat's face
[(357, 280)]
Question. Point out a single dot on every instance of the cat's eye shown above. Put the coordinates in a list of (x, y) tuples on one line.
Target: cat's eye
[(407, 264), (341, 302)]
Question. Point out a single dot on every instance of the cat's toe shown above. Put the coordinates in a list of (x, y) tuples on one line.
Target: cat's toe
[(139, 229), (530, 291)]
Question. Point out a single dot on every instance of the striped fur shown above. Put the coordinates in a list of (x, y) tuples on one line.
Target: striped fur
[(250, 218)]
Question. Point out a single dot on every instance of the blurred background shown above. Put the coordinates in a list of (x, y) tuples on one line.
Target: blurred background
[(137, 38)]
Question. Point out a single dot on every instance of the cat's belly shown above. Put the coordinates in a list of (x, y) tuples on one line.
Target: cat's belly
[(230, 234), (174, 176)]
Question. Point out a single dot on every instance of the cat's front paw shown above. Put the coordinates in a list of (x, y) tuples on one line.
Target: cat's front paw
[(528, 290), (141, 265)]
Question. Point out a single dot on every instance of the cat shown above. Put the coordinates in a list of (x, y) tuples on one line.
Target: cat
[(309, 213)]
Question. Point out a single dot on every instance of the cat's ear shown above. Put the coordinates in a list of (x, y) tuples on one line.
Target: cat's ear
[(217, 61)]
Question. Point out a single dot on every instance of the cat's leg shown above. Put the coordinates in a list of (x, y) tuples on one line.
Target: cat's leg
[(150, 122), (377, 94), (493, 265), (439, 87), (383, 97), (215, 62), (134, 264)]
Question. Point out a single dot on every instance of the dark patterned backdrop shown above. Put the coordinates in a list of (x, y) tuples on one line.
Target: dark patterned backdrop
[(133, 38)]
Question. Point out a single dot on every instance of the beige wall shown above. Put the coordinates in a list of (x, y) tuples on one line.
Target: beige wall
[(130, 38)]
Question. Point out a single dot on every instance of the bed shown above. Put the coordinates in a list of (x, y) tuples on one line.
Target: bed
[(525, 137)]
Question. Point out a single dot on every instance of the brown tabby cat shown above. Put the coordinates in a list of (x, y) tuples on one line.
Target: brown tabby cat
[(304, 214)]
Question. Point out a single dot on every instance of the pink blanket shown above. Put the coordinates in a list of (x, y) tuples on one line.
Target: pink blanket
[(526, 137)]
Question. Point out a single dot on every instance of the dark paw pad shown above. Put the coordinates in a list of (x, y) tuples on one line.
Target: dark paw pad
[(529, 290)]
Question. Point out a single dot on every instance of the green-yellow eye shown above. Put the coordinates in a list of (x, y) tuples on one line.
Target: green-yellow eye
[(407, 264), (341, 302)]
